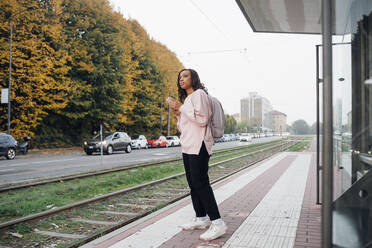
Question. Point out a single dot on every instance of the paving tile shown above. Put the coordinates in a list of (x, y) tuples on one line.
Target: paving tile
[(288, 242)]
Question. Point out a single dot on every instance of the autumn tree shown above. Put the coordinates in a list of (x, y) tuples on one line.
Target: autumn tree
[(97, 72), (243, 127), (77, 64), (230, 124), (155, 79), (39, 65), (300, 127)]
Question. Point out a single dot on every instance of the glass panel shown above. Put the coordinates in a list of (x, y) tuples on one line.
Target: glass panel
[(352, 106), (342, 115)]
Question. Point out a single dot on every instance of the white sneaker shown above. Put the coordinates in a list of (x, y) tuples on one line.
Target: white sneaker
[(214, 231), (195, 224)]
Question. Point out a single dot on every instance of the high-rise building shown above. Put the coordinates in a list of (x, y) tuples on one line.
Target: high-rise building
[(253, 110), (337, 116), (349, 122)]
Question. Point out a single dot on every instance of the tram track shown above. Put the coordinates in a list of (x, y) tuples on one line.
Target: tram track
[(42, 181), (88, 219)]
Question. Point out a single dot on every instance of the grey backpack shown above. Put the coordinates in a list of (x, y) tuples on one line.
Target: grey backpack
[(217, 121)]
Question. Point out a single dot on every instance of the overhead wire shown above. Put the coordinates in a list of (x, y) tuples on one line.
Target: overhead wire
[(218, 51), (221, 32), (209, 19)]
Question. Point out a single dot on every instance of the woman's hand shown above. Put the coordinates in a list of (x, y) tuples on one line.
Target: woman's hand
[(174, 104), (176, 112)]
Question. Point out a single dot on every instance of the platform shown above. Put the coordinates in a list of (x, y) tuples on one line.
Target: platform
[(270, 204)]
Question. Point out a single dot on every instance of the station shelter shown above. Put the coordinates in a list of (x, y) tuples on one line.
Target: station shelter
[(344, 105)]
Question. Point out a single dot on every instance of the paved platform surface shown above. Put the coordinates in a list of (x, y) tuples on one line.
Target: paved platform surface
[(270, 204)]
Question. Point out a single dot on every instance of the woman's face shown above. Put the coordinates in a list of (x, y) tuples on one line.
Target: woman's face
[(185, 80)]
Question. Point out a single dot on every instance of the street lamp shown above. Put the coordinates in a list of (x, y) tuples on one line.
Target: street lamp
[(10, 57), (161, 111), (168, 131)]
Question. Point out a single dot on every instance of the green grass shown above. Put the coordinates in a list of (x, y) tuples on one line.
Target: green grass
[(43, 197), (300, 146), (38, 198)]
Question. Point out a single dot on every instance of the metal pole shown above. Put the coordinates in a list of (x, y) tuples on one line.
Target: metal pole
[(168, 133), (161, 111), (317, 126), (10, 72), (101, 134), (327, 149), (10, 58)]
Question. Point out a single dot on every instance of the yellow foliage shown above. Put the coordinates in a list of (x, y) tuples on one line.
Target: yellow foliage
[(59, 70)]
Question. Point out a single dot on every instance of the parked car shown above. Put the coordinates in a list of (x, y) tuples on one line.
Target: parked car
[(25, 145), (173, 141), (139, 141), (222, 139), (254, 135), (245, 137), (160, 141), (226, 138), (8, 146), (234, 137), (117, 141), (269, 134)]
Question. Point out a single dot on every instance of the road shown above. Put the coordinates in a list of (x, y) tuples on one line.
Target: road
[(25, 169)]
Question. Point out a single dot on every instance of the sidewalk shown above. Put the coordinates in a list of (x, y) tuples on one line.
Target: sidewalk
[(270, 204)]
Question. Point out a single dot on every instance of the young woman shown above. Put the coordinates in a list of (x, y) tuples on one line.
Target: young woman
[(193, 112)]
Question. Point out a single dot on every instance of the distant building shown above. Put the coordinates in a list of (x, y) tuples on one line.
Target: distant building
[(236, 117), (276, 121), (253, 110), (349, 122), (337, 116)]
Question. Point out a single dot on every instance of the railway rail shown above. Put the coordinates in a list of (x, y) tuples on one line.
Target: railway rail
[(78, 223), (41, 181)]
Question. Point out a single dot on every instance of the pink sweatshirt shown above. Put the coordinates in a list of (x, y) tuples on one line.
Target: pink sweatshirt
[(192, 123)]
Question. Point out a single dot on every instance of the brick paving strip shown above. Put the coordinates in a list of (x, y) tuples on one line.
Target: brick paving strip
[(236, 208), (309, 226)]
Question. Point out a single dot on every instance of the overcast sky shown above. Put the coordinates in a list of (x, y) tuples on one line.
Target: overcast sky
[(202, 33)]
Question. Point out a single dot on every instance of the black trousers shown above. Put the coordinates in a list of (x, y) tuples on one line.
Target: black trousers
[(196, 168)]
